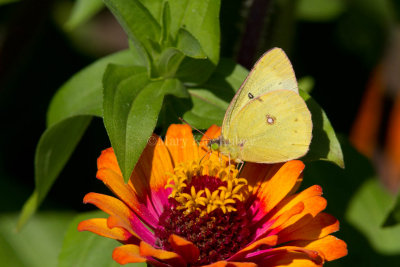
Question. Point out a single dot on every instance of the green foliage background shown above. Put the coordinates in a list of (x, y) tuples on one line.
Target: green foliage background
[(180, 61)]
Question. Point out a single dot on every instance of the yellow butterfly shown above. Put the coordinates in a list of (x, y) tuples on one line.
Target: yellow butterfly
[(267, 121)]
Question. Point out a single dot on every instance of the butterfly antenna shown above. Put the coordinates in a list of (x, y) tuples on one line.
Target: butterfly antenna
[(182, 120)]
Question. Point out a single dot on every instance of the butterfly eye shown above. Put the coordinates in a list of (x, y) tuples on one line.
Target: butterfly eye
[(270, 119)]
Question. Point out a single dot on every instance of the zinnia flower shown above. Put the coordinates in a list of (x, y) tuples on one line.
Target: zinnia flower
[(186, 206)]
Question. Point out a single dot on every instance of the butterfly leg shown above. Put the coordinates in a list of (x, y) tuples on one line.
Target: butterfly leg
[(241, 164), (206, 154)]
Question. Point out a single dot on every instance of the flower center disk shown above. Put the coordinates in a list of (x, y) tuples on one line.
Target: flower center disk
[(206, 207)]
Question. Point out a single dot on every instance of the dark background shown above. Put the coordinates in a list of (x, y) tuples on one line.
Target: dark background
[(37, 55)]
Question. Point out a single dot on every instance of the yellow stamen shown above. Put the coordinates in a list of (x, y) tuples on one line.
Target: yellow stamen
[(224, 198)]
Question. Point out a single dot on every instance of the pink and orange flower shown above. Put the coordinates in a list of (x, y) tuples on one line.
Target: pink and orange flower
[(186, 206)]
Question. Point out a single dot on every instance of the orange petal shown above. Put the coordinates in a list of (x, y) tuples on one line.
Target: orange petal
[(290, 201), (312, 206), (330, 247), (185, 248), (111, 206), (121, 215), (152, 167), (284, 217), (256, 173), (108, 160), (315, 228), (99, 226), (151, 171), (168, 257), (292, 259), (273, 190), (125, 192), (266, 241), (283, 256), (241, 264), (127, 254), (212, 133), (181, 144), (297, 185)]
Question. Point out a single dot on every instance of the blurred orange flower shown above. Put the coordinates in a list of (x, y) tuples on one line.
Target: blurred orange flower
[(186, 206)]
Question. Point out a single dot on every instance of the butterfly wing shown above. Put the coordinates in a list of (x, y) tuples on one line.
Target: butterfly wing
[(273, 71), (273, 127)]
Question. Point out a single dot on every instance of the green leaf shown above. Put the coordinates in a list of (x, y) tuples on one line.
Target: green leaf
[(367, 211), (52, 153), (155, 7), (82, 11), (189, 45), (207, 109), (193, 71), (306, 84), (201, 20), (324, 144), (210, 101), (319, 10), (82, 94), (136, 19), (394, 216), (131, 106), (138, 23), (166, 25), (82, 249), (38, 244), (169, 62)]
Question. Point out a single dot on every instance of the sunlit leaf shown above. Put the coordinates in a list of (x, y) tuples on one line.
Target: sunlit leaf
[(188, 44), (166, 24), (169, 62), (137, 21), (38, 244), (201, 20), (155, 7), (324, 143), (82, 11), (131, 106)]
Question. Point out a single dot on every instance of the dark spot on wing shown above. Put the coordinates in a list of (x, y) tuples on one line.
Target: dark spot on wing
[(250, 95)]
